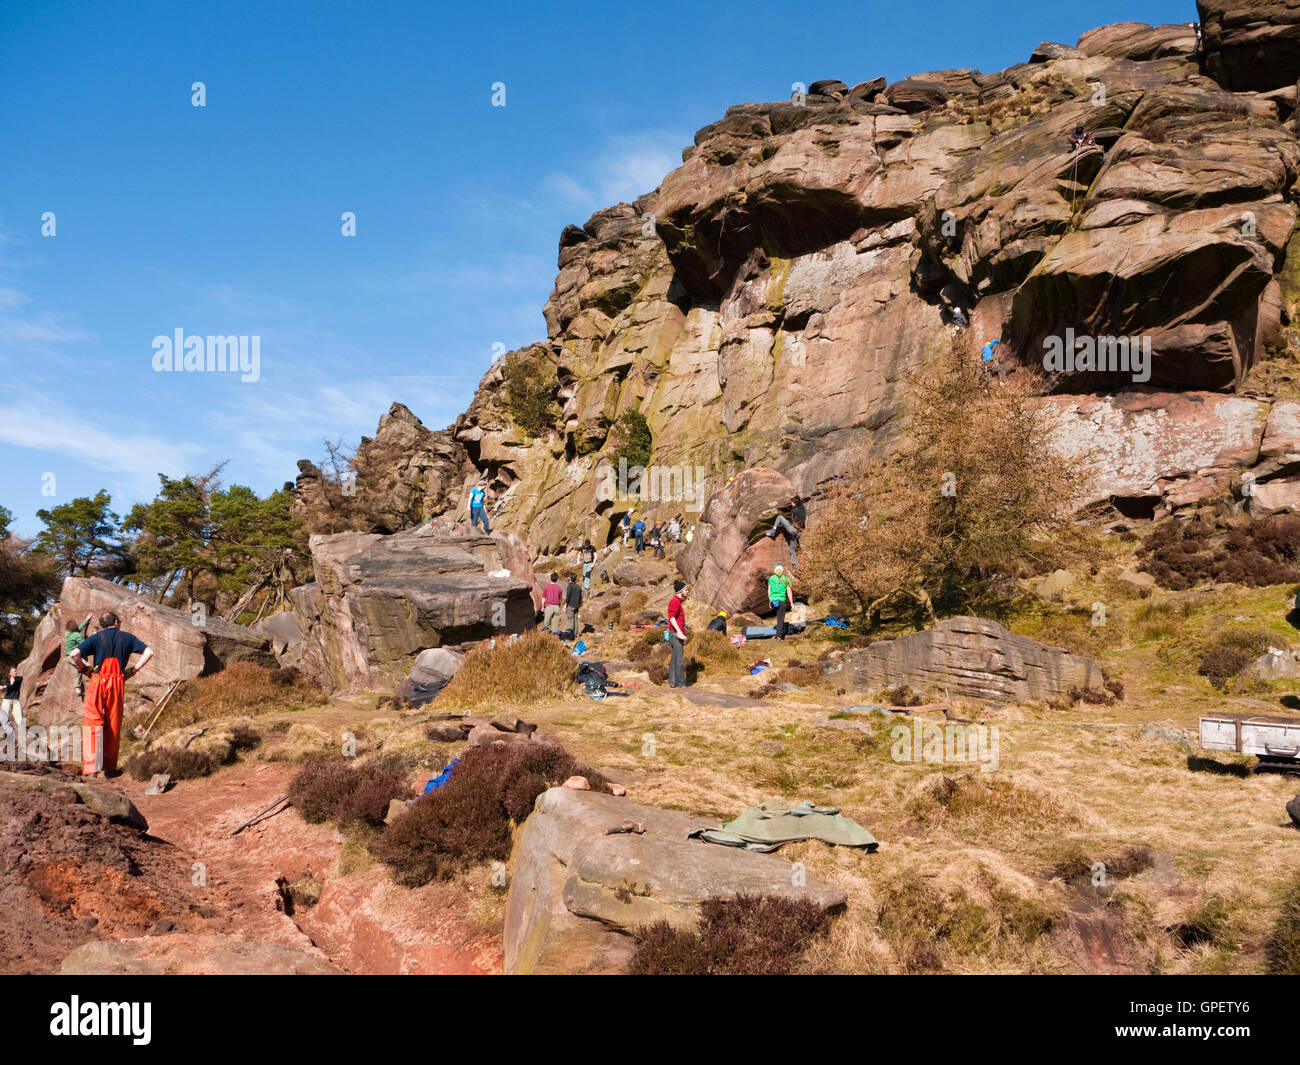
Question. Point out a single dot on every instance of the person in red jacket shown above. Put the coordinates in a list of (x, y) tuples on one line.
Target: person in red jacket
[(677, 635), (552, 612)]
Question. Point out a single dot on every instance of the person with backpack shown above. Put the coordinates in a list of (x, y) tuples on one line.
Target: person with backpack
[(73, 637), (719, 622), (1079, 138), (638, 534), (572, 601), (587, 554), (677, 635), (111, 648), (552, 597), (780, 594), (477, 506)]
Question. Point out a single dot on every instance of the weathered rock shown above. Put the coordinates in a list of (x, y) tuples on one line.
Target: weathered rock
[(183, 649), (728, 562), (1284, 665), (1137, 40), (1169, 733), (1251, 45), (283, 632), (193, 954), (576, 893), (1293, 808), (970, 657), (379, 601), (433, 668), (103, 801)]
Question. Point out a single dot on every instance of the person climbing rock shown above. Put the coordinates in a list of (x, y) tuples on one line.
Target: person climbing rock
[(478, 506), (552, 597), (587, 554), (780, 594), (677, 635), (1079, 137), (572, 601), (791, 527), (111, 648), (73, 638)]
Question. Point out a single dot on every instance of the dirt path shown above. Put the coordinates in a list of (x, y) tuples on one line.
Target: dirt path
[(363, 922)]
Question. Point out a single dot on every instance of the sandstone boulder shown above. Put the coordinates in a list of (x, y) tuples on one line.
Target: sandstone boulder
[(1137, 40), (379, 601), (106, 802), (433, 668), (577, 893), (185, 646), (729, 561), (969, 657)]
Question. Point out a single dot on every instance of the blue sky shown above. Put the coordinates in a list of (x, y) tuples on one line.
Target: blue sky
[(225, 219)]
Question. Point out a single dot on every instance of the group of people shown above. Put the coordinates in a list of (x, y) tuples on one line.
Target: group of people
[(560, 605), (658, 536), (105, 658)]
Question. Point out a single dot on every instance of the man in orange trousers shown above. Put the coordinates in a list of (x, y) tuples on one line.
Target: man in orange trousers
[(111, 648)]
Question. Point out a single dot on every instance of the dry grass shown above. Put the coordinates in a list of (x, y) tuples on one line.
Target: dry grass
[(241, 690), (514, 673)]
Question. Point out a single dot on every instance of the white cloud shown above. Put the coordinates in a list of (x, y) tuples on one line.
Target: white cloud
[(625, 168)]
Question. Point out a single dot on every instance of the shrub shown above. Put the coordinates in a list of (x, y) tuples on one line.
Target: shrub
[(244, 738), (178, 762), (522, 671), (1231, 652), (903, 696), (530, 392), (631, 438), (749, 935), (330, 788), (712, 650), (1180, 554), (468, 819)]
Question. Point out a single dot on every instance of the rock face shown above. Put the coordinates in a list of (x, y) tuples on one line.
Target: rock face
[(432, 670), (727, 563), (192, 954), (968, 657), (103, 801), (182, 649), (1251, 45), (378, 601), (765, 304), (577, 893)]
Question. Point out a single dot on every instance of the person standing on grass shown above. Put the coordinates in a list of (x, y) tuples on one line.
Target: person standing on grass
[(588, 556), (478, 506), (780, 593), (72, 639), (677, 635), (11, 709), (111, 648), (572, 601), (552, 597)]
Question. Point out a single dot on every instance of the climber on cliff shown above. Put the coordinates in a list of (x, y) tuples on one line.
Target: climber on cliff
[(1079, 138), (791, 527), (478, 506), (111, 648)]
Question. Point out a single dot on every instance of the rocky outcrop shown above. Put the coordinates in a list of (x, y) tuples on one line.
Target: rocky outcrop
[(378, 601), (968, 657), (185, 645), (433, 668), (729, 561), (110, 804), (1251, 45), (765, 305), (577, 893)]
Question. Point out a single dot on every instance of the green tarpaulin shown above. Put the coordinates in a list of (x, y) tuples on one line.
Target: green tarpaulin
[(772, 824)]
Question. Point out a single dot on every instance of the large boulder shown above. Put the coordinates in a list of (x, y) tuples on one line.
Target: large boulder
[(378, 601), (185, 645), (577, 893), (1137, 40), (729, 560), (1251, 44), (433, 668), (969, 657)]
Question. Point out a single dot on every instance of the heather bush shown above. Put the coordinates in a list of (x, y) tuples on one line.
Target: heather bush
[(749, 935), (468, 819), (332, 788)]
